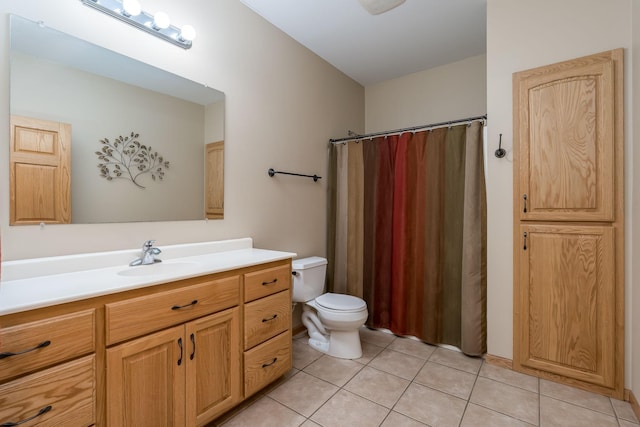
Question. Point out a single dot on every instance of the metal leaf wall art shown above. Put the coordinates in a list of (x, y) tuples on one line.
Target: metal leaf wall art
[(127, 158)]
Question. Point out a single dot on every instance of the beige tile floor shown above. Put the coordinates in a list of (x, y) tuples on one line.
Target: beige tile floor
[(402, 382)]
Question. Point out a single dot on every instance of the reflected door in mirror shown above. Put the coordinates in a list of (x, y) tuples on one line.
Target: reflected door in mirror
[(40, 177), (214, 185)]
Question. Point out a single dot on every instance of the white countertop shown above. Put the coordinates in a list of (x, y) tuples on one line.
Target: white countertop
[(42, 282)]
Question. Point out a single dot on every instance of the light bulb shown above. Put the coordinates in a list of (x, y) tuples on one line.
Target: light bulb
[(131, 7), (161, 21), (188, 33)]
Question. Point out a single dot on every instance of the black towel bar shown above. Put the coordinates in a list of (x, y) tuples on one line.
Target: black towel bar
[(272, 172)]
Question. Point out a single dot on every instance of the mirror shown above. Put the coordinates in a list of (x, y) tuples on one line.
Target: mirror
[(103, 96)]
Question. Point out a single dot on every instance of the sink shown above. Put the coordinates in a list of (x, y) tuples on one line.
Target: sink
[(157, 269)]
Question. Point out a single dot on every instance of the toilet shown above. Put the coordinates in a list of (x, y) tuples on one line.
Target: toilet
[(332, 320)]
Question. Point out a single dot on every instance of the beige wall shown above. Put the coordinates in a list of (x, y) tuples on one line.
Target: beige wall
[(523, 34), (283, 103), (452, 91)]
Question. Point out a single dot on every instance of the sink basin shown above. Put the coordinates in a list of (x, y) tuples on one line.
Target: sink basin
[(160, 268)]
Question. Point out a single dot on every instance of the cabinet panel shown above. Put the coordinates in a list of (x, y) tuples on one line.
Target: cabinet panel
[(266, 282), (146, 380), (64, 395), (566, 128), (214, 380), (53, 340), (567, 301), (267, 317), (266, 362), (136, 316)]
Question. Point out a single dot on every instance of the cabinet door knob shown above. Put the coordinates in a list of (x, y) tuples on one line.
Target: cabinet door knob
[(264, 365), (17, 423), (266, 319), (9, 354), (193, 341), (178, 307), (524, 197), (180, 345), (525, 240)]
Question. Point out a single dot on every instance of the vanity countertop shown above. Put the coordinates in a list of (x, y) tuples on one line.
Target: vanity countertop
[(42, 282)]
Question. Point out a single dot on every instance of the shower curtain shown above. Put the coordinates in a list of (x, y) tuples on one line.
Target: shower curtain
[(407, 232)]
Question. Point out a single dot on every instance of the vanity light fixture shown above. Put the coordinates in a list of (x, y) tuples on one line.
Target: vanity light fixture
[(131, 12)]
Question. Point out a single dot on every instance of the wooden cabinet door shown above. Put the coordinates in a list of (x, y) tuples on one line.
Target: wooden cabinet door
[(146, 380), (569, 215), (63, 395), (564, 121), (214, 175), (213, 366), (566, 302), (40, 171)]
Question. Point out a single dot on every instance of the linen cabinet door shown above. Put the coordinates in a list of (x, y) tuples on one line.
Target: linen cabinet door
[(566, 316), (214, 377), (565, 125), (146, 380)]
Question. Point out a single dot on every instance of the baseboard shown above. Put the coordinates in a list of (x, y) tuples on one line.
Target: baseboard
[(298, 330), (629, 397), (498, 361), (508, 364)]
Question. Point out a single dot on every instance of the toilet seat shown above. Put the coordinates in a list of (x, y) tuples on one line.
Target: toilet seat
[(340, 302)]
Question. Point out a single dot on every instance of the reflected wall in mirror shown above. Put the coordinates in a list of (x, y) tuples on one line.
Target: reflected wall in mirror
[(101, 94)]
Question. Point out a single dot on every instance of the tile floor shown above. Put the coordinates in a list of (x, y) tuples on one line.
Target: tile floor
[(402, 382)]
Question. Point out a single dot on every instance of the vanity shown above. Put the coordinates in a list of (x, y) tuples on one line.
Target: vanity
[(87, 339)]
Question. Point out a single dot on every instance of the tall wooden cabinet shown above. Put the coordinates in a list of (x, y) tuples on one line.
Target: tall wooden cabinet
[(568, 222)]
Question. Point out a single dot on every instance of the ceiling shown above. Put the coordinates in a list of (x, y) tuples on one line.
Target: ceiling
[(415, 36)]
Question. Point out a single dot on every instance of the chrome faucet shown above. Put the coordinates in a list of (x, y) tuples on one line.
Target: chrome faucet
[(148, 255)]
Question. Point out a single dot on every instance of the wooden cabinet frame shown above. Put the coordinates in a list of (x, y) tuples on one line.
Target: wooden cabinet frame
[(218, 336), (568, 195)]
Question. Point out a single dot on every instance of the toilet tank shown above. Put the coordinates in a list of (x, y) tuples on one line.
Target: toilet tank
[(308, 278)]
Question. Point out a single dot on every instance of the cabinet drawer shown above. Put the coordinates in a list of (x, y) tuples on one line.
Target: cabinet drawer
[(31, 346), (138, 316), (62, 396), (266, 317), (266, 362), (266, 282)]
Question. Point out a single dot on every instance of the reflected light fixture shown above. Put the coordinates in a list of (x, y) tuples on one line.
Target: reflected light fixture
[(131, 12), (376, 7)]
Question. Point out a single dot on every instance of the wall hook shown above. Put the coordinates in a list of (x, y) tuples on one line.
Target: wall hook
[(500, 152)]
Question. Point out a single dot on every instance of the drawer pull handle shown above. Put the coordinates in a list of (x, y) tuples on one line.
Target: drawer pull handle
[(524, 197), (270, 283), (264, 365), (266, 319), (180, 345), (193, 341), (178, 307), (40, 412), (43, 344)]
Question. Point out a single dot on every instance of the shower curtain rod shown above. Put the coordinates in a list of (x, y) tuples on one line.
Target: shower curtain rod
[(391, 132)]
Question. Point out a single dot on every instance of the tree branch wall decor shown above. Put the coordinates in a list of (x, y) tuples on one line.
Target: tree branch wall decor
[(127, 158)]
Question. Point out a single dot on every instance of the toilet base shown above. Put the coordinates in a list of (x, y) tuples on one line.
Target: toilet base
[(334, 342), (345, 345)]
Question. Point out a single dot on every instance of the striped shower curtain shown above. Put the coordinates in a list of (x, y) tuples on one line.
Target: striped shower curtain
[(407, 232)]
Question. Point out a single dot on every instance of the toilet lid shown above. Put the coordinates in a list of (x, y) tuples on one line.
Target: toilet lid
[(340, 302)]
